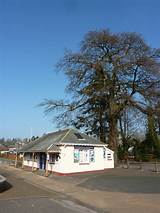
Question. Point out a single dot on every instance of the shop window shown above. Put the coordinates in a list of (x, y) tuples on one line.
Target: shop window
[(84, 155), (76, 155), (30, 156), (91, 155), (53, 158)]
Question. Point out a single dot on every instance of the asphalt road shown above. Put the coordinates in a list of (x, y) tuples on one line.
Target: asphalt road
[(118, 180), (114, 190), (144, 184), (22, 197)]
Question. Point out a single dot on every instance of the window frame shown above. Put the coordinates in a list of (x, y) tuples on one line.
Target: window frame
[(109, 156), (53, 158), (83, 155)]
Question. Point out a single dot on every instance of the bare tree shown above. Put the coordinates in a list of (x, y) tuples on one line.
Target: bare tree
[(132, 123), (109, 73)]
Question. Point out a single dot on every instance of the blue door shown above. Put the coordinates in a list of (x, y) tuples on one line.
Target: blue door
[(42, 161)]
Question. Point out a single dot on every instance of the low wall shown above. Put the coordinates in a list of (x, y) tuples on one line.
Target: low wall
[(153, 166)]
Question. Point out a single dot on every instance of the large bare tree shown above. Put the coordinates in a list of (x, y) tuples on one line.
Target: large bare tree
[(109, 73)]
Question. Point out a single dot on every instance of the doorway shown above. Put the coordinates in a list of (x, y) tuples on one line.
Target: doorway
[(42, 161)]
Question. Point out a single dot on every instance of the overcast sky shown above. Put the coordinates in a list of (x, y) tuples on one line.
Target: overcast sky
[(33, 36)]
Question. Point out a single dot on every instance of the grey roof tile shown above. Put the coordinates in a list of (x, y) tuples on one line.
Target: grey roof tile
[(67, 136), (72, 137)]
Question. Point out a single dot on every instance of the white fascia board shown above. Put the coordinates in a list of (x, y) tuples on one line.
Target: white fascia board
[(95, 145), (79, 144), (109, 149)]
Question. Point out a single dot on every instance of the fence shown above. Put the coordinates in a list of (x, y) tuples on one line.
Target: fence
[(10, 161), (153, 166)]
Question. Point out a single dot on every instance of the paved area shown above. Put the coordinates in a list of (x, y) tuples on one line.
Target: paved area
[(117, 180), (21, 196), (118, 190), (131, 184)]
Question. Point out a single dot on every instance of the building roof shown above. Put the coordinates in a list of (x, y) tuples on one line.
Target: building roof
[(50, 141), (3, 148)]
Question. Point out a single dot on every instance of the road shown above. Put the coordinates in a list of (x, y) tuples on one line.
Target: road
[(125, 182), (116, 190), (23, 197)]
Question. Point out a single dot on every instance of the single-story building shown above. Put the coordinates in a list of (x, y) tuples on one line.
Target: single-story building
[(12, 149), (67, 151), (3, 149)]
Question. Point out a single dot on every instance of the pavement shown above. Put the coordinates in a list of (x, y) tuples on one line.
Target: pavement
[(21, 195), (115, 190)]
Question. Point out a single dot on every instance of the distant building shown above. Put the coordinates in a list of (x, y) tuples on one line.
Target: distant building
[(12, 149), (67, 151), (3, 149)]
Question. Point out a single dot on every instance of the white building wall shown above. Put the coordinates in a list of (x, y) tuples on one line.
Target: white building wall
[(58, 165), (70, 167), (66, 164), (27, 161), (109, 162)]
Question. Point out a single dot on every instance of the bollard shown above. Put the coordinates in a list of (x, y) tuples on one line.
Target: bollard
[(127, 162), (156, 166), (140, 164)]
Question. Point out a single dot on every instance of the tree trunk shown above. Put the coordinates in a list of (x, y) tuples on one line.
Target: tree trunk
[(159, 124), (113, 138), (102, 133)]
